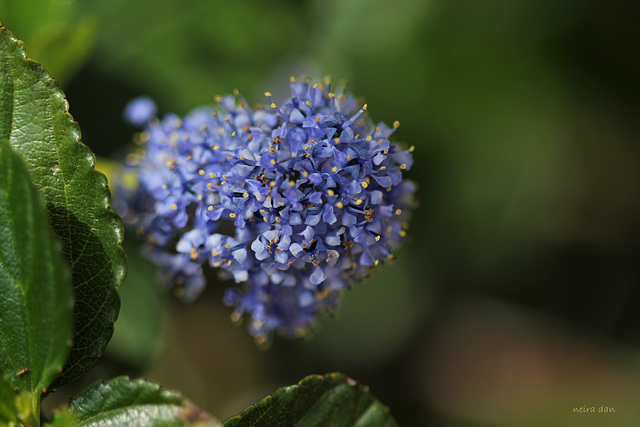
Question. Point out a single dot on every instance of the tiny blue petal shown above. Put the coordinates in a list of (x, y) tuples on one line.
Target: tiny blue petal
[(317, 276)]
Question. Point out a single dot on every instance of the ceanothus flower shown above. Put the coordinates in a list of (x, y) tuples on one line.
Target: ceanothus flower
[(293, 202), (139, 110)]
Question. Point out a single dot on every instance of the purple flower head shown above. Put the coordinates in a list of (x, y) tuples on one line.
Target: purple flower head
[(293, 201)]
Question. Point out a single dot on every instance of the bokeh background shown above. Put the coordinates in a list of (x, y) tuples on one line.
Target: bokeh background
[(515, 298)]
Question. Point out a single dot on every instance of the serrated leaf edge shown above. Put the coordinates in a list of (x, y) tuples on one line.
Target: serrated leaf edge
[(90, 157), (108, 215), (173, 398), (303, 382)]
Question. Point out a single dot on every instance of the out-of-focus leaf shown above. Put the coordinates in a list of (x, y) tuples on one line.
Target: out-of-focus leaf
[(26, 17), (57, 37), (8, 410), (376, 318), (330, 400), (125, 402), (63, 418), (63, 49), (35, 120), (141, 317), (186, 56), (35, 289), (367, 27)]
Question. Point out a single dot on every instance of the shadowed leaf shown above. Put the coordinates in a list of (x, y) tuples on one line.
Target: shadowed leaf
[(330, 400), (35, 290), (34, 119)]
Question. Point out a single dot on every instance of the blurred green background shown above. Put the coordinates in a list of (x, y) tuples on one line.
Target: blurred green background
[(515, 298)]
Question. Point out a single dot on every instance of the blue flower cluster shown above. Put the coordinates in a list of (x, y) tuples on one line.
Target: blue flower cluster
[(295, 202)]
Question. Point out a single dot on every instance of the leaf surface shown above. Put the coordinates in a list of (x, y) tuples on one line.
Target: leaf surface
[(8, 409), (35, 290), (34, 119), (125, 402), (330, 400)]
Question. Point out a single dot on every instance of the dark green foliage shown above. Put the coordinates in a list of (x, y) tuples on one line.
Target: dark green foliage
[(36, 123), (35, 293), (330, 400)]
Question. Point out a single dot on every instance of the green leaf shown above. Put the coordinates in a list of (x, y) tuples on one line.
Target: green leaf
[(63, 418), (58, 36), (125, 402), (135, 336), (8, 409), (35, 293), (16, 409), (198, 59), (63, 48), (330, 400), (34, 118)]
